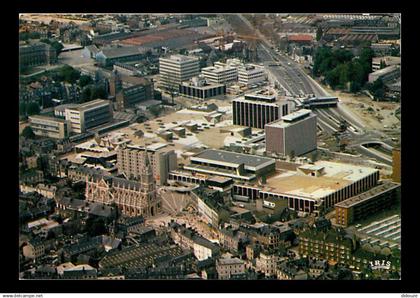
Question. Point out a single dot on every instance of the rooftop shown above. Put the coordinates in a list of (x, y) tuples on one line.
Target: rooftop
[(230, 261), (90, 104), (376, 191), (296, 115), (46, 118), (386, 70), (334, 176), (300, 37), (248, 160), (181, 58), (116, 52)]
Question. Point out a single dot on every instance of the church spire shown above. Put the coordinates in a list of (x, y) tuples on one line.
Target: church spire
[(147, 172)]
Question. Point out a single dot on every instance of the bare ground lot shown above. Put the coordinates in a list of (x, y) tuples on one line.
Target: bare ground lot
[(376, 115)]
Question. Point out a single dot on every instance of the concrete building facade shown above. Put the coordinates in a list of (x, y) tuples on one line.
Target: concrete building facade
[(176, 69), (201, 90), (220, 74), (89, 115), (295, 133), (251, 74), (49, 126), (361, 206), (253, 112), (130, 161)]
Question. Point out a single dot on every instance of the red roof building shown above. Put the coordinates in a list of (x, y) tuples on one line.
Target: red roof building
[(300, 38)]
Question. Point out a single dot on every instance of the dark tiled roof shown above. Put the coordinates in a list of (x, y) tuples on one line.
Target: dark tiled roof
[(117, 52)]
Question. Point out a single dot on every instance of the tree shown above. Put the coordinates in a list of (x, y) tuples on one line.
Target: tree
[(85, 80), (69, 74), (86, 94), (28, 133), (29, 35), (98, 92), (22, 108), (319, 33), (95, 226), (32, 108), (57, 46)]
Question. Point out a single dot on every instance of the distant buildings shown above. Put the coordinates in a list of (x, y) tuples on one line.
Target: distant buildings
[(256, 110), (377, 62), (108, 56), (49, 126), (295, 133), (89, 115), (385, 74), (36, 54), (177, 69)]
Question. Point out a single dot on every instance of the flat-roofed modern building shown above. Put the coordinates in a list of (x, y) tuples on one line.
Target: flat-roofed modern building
[(200, 89), (251, 74), (89, 115), (377, 62), (49, 126), (230, 164), (294, 134), (177, 69), (312, 188), (361, 206), (386, 74), (220, 74), (130, 161), (256, 110)]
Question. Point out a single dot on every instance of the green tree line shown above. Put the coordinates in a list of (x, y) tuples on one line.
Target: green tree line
[(341, 70)]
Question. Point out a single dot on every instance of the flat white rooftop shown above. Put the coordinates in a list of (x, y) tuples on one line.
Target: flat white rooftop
[(296, 115), (344, 171)]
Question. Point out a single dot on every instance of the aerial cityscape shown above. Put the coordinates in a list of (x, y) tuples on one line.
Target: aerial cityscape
[(210, 146)]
